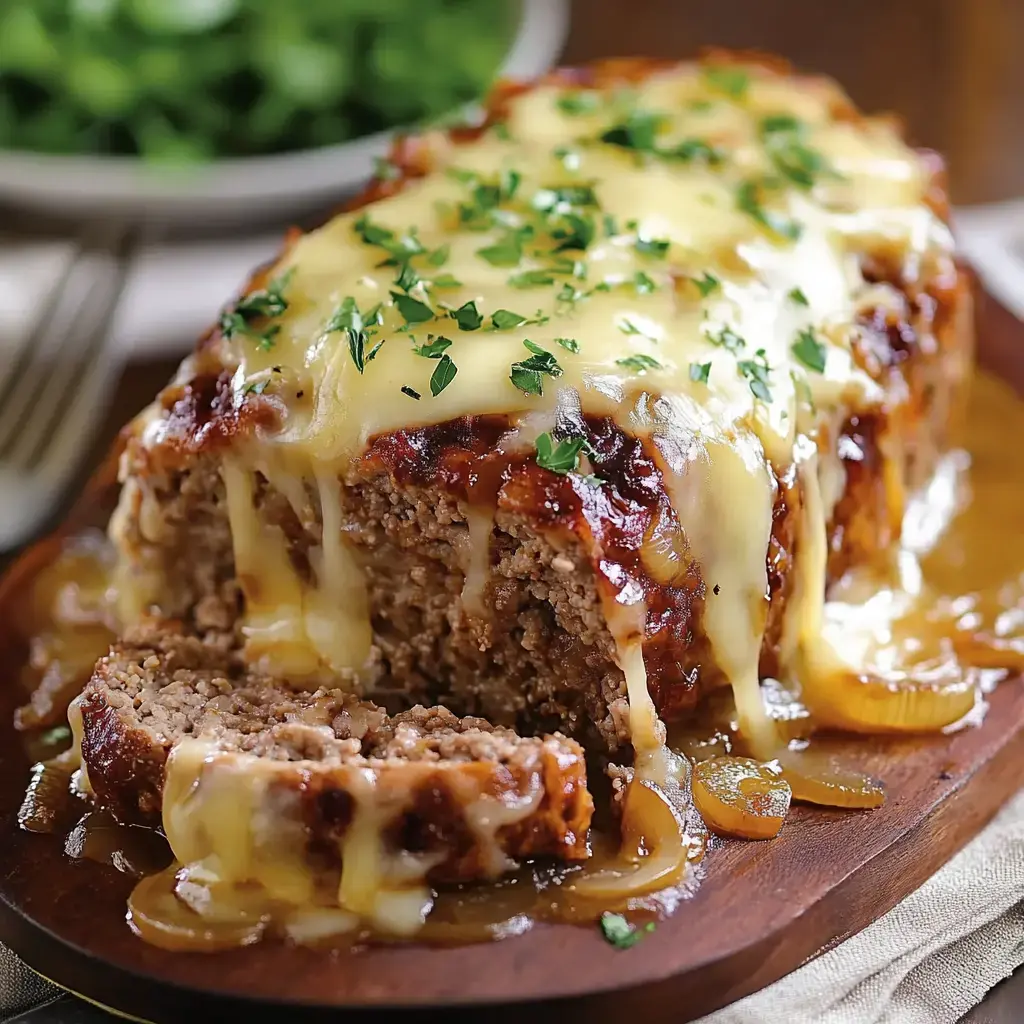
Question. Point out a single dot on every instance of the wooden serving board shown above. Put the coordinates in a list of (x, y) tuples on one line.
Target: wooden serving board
[(762, 910)]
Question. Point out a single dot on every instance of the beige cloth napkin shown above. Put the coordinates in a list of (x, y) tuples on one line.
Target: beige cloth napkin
[(928, 961)]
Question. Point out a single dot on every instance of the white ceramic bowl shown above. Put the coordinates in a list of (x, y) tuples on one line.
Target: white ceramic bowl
[(235, 189)]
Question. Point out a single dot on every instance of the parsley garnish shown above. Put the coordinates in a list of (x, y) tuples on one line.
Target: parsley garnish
[(783, 138), (691, 150), (434, 347), (706, 283), (727, 338), (506, 253), (505, 319), (445, 281), (732, 81), (780, 123), (570, 344), (439, 256), (358, 328), (619, 933), (579, 102), (573, 231), (638, 132), (571, 195), (699, 372), (639, 363), (565, 457), (651, 246), (411, 392), (256, 387), (531, 279), (797, 296), (443, 375), (467, 316), (611, 228), (385, 170), (526, 374), (407, 278), (643, 283), (412, 310), (809, 350), (401, 249), (756, 371), (748, 201), (259, 305)]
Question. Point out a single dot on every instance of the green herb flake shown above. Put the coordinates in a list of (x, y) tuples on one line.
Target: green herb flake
[(411, 392), (527, 374), (443, 281), (618, 932), (407, 278), (706, 284), (639, 363), (796, 296), (531, 279), (261, 305), (508, 184), (748, 201), (809, 350), (694, 151), (434, 348), (611, 227), (700, 372), (506, 253), (385, 170), (569, 344), (579, 102), (443, 375), (733, 82), (412, 310), (657, 247), (358, 328), (780, 123), (638, 132), (643, 283), (439, 256), (256, 387), (727, 338), (505, 319), (756, 371), (467, 316), (573, 231), (563, 457)]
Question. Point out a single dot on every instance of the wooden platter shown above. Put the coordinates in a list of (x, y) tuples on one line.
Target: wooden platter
[(761, 911)]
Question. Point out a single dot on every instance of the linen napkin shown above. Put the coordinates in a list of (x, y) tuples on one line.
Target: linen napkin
[(928, 961)]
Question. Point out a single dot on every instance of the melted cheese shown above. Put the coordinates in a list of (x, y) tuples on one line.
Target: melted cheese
[(638, 329)]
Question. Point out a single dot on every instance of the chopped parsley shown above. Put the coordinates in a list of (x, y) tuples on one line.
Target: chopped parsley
[(611, 227), (780, 123), (411, 392), (809, 350), (748, 200), (439, 256), (401, 248), (733, 82), (756, 372), (505, 319), (725, 337), (706, 284), (571, 195), (260, 305), (407, 278), (651, 246), (639, 363), (573, 230), (700, 372), (412, 310), (784, 141), (467, 316), (562, 458), (385, 170), (618, 932), (638, 132), (434, 347), (257, 387), (693, 150), (445, 281), (358, 327), (569, 344), (796, 296), (643, 283), (531, 279), (527, 374), (505, 253), (443, 375), (581, 101)]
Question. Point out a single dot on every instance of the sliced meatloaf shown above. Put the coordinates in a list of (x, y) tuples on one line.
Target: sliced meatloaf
[(586, 378), (467, 797)]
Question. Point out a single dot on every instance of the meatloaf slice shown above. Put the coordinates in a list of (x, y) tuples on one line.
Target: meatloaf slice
[(468, 797)]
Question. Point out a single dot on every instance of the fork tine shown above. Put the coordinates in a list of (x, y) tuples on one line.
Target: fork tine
[(55, 352), (75, 355)]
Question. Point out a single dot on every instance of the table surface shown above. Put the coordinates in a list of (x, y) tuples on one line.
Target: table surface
[(948, 67)]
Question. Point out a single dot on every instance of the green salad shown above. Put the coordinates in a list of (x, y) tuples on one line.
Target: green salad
[(189, 80)]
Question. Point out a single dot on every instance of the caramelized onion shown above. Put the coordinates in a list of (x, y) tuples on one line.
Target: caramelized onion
[(740, 797), (47, 796), (817, 779)]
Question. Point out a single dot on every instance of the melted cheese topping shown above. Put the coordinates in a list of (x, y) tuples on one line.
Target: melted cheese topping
[(690, 260)]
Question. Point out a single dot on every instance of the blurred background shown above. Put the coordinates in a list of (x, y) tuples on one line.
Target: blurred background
[(153, 151)]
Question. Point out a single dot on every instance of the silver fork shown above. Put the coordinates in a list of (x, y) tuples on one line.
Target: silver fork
[(53, 390)]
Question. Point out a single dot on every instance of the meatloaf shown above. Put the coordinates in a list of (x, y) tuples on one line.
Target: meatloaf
[(461, 794)]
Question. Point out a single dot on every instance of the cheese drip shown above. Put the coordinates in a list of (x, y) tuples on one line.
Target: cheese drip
[(668, 254)]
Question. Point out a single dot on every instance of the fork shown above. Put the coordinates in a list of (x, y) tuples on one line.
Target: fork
[(54, 388)]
